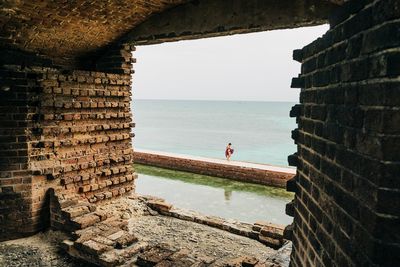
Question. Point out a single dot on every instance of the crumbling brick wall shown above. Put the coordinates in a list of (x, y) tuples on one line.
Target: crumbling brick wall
[(68, 130), (346, 209)]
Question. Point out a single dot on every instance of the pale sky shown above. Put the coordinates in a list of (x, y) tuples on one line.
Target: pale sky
[(254, 67)]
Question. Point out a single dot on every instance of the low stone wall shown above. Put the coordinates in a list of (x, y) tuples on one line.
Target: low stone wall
[(240, 171), (272, 235)]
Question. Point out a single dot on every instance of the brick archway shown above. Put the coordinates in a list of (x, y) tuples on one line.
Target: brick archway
[(346, 205)]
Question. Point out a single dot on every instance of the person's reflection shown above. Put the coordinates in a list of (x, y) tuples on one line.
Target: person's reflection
[(227, 194)]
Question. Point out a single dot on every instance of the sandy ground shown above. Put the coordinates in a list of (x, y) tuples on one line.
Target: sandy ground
[(39, 250), (203, 242)]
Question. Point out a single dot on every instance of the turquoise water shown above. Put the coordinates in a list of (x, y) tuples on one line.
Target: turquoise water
[(215, 196), (259, 131)]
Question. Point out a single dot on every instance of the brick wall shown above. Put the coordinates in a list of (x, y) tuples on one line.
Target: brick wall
[(68, 130), (234, 170), (347, 203), (18, 104)]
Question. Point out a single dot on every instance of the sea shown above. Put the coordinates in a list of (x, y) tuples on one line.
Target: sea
[(260, 132)]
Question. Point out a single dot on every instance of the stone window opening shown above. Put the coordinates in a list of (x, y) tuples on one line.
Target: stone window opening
[(136, 87)]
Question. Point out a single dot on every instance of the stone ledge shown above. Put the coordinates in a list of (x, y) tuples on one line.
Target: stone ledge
[(235, 170)]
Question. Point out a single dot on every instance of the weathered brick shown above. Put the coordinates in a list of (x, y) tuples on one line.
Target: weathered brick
[(341, 168), (385, 36)]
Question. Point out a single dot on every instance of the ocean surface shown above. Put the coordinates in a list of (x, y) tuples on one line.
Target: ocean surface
[(259, 131)]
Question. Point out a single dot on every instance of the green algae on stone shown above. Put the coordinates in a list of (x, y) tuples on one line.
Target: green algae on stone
[(226, 184)]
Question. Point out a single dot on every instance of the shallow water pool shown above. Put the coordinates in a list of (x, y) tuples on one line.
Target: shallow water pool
[(215, 196)]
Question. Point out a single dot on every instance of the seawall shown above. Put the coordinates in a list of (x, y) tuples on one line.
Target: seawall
[(235, 170)]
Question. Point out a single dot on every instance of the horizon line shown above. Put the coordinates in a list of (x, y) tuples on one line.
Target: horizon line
[(224, 100)]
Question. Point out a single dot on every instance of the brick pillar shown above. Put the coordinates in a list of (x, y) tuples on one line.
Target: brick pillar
[(67, 130), (18, 104), (118, 59), (347, 204)]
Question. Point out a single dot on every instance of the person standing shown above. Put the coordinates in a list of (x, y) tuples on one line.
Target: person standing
[(228, 151)]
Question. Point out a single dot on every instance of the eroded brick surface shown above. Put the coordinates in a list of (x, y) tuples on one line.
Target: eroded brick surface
[(66, 130)]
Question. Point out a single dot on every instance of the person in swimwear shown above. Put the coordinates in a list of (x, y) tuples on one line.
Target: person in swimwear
[(228, 151)]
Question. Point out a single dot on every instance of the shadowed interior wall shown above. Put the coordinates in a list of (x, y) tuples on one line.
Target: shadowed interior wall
[(211, 18), (347, 203), (19, 88)]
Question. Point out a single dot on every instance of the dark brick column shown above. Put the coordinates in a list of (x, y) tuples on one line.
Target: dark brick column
[(347, 203), (19, 90)]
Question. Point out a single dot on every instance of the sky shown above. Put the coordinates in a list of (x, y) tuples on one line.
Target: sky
[(242, 67)]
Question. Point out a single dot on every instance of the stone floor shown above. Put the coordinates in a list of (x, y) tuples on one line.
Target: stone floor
[(159, 241), (40, 250), (205, 242)]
